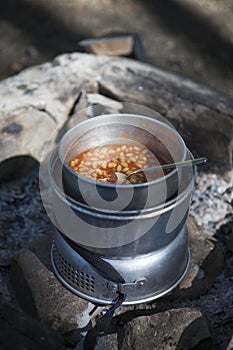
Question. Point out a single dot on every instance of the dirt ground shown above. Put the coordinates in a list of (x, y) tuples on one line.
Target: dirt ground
[(192, 38)]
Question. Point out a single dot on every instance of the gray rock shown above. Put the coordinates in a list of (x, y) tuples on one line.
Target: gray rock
[(206, 263), (175, 329), (107, 342), (41, 295), (20, 331)]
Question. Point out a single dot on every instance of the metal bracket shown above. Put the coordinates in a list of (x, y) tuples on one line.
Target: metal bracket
[(127, 287)]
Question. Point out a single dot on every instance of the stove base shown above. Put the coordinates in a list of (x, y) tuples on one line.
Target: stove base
[(147, 277)]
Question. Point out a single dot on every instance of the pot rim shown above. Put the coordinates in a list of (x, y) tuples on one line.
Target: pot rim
[(121, 115)]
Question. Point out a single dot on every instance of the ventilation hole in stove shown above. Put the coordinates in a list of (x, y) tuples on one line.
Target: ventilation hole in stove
[(73, 276)]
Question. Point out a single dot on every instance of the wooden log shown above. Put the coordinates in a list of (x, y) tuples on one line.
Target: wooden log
[(203, 117), (52, 90)]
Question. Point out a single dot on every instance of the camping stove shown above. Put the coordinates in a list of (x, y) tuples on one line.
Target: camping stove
[(145, 241)]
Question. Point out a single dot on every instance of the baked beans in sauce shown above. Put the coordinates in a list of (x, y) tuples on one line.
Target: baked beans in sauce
[(100, 163)]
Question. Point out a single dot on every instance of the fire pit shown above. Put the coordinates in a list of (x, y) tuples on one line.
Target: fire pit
[(137, 229), (70, 83)]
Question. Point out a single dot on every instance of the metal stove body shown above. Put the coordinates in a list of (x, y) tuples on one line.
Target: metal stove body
[(156, 259)]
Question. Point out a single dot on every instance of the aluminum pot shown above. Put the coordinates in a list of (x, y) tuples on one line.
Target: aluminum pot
[(143, 217), (160, 138)]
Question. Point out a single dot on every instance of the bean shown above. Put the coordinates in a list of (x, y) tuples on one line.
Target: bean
[(100, 161), (124, 164), (99, 172), (111, 165), (133, 180)]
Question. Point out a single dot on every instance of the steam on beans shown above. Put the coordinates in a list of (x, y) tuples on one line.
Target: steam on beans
[(100, 163)]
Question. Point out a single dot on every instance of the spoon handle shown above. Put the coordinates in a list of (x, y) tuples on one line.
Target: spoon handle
[(172, 165)]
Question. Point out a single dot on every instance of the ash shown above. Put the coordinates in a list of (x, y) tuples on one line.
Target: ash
[(212, 207), (22, 216), (212, 201)]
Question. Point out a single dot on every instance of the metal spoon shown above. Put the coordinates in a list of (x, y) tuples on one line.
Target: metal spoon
[(122, 178)]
